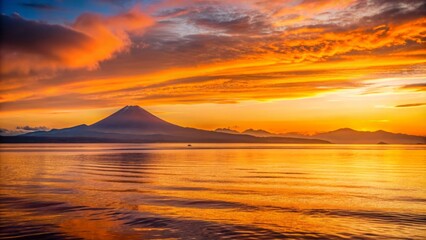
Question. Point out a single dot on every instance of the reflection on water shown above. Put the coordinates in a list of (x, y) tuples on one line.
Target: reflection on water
[(212, 191)]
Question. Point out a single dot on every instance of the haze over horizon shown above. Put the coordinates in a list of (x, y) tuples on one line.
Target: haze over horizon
[(281, 66)]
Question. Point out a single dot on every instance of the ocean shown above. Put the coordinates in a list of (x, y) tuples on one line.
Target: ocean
[(212, 191)]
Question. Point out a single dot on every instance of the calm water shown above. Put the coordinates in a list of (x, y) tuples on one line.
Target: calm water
[(222, 191)]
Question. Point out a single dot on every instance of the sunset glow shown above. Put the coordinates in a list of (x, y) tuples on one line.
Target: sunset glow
[(283, 66)]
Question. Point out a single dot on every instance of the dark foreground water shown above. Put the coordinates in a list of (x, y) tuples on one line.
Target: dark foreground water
[(212, 191)]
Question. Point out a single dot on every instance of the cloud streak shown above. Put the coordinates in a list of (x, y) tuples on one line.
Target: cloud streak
[(421, 87), (410, 105)]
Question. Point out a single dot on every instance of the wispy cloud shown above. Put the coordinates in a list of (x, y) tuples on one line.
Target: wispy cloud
[(410, 105)]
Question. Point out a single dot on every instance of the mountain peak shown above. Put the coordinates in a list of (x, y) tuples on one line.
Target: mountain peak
[(133, 118), (132, 112), (131, 108)]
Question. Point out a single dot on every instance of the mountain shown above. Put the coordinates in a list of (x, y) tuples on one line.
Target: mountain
[(134, 124), (347, 135), (135, 120), (263, 133)]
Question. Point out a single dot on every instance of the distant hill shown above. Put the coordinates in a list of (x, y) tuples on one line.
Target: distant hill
[(349, 136), (134, 124), (264, 133)]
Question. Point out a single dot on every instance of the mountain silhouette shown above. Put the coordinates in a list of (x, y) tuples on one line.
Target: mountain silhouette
[(348, 136), (135, 120), (227, 130), (134, 124), (259, 133)]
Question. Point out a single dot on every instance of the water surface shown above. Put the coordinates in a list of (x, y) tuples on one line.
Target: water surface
[(212, 191)]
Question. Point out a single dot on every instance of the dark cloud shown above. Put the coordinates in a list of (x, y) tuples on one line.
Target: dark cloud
[(397, 12), (33, 45), (171, 12), (410, 105), (385, 13), (38, 38), (219, 18), (120, 3), (92, 38), (39, 6), (240, 24)]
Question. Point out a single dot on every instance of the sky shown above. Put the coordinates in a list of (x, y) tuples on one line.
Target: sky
[(280, 65)]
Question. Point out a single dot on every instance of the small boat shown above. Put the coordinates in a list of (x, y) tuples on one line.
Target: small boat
[(189, 145)]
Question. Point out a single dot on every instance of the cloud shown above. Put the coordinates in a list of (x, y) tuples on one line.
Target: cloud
[(212, 51), (49, 45), (219, 33), (234, 22), (174, 12), (39, 6), (8, 132), (28, 128), (61, 101), (92, 38), (192, 32), (21, 130), (415, 87), (410, 105), (120, 3)]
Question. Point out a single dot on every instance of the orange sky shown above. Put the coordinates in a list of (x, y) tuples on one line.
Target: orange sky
[(304, 66)]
